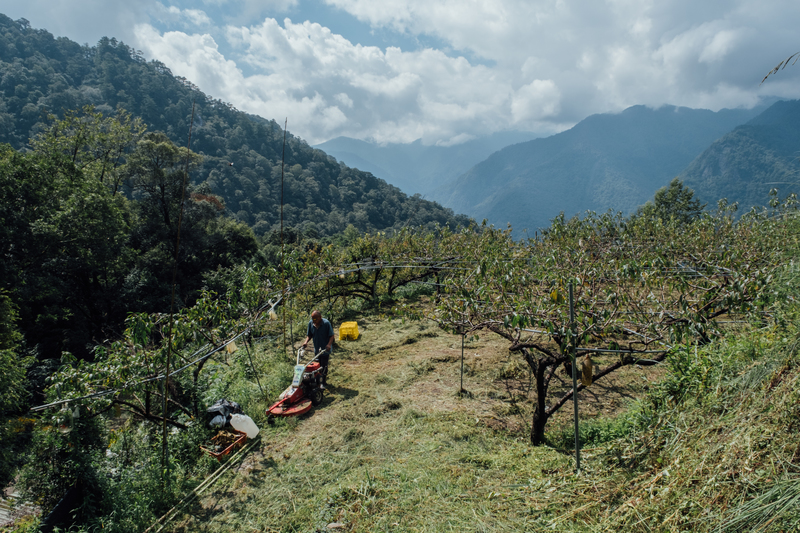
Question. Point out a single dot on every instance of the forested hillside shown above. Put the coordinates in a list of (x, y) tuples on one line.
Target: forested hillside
[(609, 161), (745, 164), (91, 181), (241, 161)]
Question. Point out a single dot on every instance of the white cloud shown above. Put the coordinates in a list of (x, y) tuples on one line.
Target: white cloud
[(332, 118), (188, 18), (721, 44), (539, 99), (488, 65), (605, 55), (458, 139), (86, 21), (197, 17), (328, 86), (194, 57), (343, 99)]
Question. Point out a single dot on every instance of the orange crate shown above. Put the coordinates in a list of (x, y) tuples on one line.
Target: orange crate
[(238, 443)]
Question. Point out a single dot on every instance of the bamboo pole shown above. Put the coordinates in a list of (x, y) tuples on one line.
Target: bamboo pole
[(461, 390)]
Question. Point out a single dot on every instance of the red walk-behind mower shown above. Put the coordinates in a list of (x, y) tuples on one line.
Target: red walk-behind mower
[(304, 392)]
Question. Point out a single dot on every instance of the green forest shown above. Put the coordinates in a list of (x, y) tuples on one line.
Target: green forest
[(145, 277), (242, 154), (93, 174)]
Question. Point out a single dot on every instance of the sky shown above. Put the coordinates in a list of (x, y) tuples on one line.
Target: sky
[(447, 71)]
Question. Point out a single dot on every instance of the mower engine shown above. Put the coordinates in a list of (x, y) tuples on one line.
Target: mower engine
[(312, 376), (305, 390)]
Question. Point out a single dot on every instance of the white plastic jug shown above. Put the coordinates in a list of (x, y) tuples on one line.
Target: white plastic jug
[(244, 423)]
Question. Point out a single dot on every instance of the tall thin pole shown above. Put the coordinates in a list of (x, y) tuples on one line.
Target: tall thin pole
[(283, 273), (165, 392), (291, 319), (574, 379), (461, 391)]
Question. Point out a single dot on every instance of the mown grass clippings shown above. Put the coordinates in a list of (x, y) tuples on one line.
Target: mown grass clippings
[(774, 507), (376, 472)]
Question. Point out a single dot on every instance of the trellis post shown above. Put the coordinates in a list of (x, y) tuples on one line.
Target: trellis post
[(574, 379), (461, 390)]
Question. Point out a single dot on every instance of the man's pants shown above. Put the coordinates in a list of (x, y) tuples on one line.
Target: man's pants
[(324, 359)]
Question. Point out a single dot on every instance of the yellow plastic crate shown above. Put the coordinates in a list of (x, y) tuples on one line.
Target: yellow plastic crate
[(348, 331)]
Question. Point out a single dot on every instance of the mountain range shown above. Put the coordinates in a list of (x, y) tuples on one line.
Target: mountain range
[(608, 161), (744, 164)]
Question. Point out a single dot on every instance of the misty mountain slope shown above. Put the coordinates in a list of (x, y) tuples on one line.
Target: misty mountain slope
[(608, 161), (746, 163), (414, 167)]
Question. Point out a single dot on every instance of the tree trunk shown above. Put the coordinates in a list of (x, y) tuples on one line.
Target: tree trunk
[(374, 287), (540, 414), (390, 291)]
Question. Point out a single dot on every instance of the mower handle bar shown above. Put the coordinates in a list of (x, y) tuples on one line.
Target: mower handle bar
[(302, 351)]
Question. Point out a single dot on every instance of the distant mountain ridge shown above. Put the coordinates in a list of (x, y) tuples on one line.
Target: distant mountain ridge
[(743, 165), (607, 161), (414, 167)]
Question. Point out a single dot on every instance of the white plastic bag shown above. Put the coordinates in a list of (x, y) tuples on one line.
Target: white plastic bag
[(244, 423)]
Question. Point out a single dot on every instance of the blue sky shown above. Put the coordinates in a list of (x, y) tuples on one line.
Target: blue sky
[(446, 71)]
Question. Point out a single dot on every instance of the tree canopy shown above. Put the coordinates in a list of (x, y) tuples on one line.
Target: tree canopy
[(674, 202), (79, 254)]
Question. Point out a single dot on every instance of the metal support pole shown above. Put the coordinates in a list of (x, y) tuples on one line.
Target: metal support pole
[(165, 405), (574, 380), (291, 319), (461, 390)]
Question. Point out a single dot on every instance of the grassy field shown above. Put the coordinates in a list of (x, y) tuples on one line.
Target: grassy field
[(394, 447)]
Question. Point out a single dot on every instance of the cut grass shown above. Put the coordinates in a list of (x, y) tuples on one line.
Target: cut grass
[(395, 447)]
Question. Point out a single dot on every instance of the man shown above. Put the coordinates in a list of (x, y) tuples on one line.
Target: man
[(321, 331)]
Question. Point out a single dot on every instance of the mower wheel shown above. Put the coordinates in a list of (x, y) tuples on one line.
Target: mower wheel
[(271, 420), (316, 397)]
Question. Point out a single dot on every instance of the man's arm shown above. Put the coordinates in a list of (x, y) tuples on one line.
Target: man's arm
[(330, 339)]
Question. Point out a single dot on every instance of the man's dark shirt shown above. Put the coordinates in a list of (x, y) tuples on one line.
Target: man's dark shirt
[(320, 335)]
